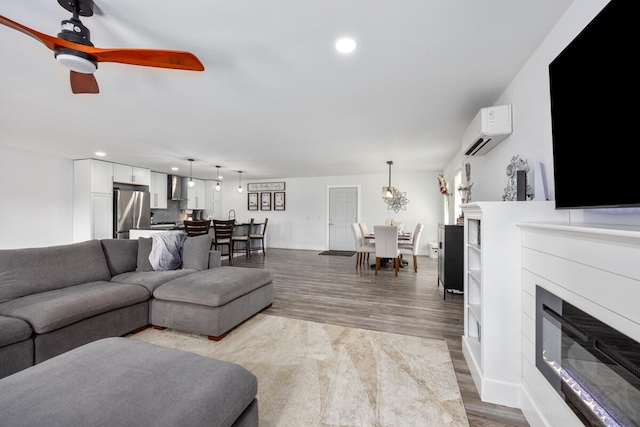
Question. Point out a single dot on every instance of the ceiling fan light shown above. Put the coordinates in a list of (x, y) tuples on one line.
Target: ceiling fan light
[(76, 63)]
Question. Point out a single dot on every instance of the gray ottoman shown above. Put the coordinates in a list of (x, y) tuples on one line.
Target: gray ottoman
[(211, 302), (123, 382)]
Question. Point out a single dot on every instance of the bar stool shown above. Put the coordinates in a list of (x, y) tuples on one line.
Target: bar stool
[(244, 238)]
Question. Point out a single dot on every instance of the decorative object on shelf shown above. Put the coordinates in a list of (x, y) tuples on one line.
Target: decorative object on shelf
[(400, 201), (465, 189), (239, 182), (218, 187), (443, 185), (389, 193), (266, 186), (265, 201), (517, 187), (279, 201), (191, 183), (252, 201)]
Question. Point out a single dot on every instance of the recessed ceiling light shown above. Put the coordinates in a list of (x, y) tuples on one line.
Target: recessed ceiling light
[(346, 45), (100, 154), (174, 168)]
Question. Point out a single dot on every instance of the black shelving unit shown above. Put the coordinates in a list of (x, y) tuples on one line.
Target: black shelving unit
[(451, 258)]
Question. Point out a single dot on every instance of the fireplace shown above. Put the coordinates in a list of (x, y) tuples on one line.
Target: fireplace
[(592, 366)]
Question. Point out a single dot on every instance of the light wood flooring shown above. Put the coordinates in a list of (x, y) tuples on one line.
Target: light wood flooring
[(329, 289)]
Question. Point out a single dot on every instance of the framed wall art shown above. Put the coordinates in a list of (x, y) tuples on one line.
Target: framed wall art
[(265, 201), (266, 186), (252, 201), (279, 201)]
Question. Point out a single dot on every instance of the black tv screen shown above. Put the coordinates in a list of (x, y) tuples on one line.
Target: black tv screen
[(594, 98)]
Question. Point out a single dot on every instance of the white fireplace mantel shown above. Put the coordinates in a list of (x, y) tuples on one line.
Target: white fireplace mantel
[(592, 266)]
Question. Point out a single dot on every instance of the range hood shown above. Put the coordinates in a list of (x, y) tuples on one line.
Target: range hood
[(174, 190)]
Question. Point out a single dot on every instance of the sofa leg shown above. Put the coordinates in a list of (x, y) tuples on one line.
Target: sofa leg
[(161, 328), (135, 331), (218, 338)]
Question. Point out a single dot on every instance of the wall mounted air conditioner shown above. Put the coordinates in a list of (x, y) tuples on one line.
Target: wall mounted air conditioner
[(490, 126)]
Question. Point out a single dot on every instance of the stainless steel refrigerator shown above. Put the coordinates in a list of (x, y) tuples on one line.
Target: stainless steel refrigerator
[(131, 210)]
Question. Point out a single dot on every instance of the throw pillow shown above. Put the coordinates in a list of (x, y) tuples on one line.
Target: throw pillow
[(144, 249), (196, 252)]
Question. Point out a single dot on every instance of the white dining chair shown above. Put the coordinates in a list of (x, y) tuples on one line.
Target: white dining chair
[(362, 247), (412, 248), (387, 245), (364, 229)]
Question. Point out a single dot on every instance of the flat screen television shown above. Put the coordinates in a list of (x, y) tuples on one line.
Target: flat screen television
[(594, 91)]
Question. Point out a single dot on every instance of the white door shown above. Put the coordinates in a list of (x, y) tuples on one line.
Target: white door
[(343, 211)]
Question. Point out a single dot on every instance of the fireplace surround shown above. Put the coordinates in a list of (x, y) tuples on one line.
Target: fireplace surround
[(584, 275)]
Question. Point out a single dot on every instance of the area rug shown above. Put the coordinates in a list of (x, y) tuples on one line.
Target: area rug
[(315, 374), (338, 253)]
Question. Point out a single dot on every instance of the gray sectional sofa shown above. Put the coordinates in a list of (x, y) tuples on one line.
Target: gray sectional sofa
[(57, 298)]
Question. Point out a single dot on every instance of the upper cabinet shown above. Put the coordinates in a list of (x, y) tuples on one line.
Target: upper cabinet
[(158, 190), (195, 196), (101, 175), (126, 174)]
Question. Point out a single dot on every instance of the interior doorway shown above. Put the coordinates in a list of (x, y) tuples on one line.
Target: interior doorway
[(343, 211)]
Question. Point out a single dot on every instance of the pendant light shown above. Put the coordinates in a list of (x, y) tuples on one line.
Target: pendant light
[(191, 183), (389, 193), (218, 187), (239, 182)]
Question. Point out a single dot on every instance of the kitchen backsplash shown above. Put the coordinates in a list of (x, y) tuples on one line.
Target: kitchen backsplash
[(171, 214)]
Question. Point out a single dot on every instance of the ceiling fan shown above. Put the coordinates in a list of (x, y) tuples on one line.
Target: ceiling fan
[(73, 49)]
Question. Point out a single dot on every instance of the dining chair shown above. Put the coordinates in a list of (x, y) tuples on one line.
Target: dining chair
[(259, 236), (362, 248), (364, 229), (412, 248), (245, 229), (196, 228), (387, 245), (222, 235)]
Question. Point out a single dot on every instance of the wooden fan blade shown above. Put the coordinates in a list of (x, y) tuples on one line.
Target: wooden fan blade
[(175, 59), (49, 41), (83, 83)]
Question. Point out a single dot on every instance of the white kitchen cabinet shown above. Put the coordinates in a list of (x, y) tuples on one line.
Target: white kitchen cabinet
[(102, 216), (92, 200), (195, 196), (158, 190), (101, 176), (126, 174)]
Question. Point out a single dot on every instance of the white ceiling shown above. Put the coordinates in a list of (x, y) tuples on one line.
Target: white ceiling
[(275, 100)]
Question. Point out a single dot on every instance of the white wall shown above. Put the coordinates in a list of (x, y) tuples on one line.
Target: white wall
[(303, 225), (36, 200), (531, 139)]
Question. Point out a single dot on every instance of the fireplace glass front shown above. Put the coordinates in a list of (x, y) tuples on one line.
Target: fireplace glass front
[(592, 366)]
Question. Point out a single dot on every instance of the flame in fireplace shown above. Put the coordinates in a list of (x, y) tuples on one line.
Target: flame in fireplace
[(598, 410)]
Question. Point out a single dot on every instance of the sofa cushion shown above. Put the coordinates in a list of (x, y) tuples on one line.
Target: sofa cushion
[(121, 254), (150, 279), (123, 382), (29, 271), (13, 330), (214, 287), (48, 311), (195, 254), (144, 250)]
